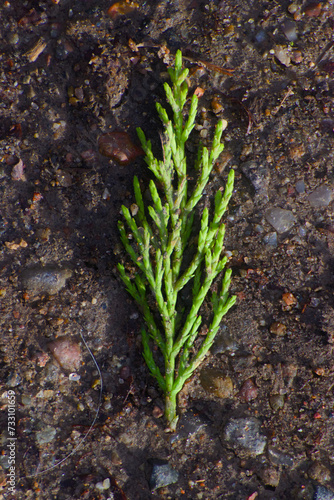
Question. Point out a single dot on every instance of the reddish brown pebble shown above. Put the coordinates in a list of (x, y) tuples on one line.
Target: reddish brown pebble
[(289, 299), (313, 9), (320, 371), (199, 92), (248, 391), (119, 147), (122, 8), (157, 412), (278, 329), (67, 353), (216, 104)]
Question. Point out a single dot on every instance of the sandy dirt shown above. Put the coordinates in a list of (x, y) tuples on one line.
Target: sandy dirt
[(72, 71)]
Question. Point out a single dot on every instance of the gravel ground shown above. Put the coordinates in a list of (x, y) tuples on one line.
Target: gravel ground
[(257, 417)]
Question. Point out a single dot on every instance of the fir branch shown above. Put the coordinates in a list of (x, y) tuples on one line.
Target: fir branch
[(158, 246)]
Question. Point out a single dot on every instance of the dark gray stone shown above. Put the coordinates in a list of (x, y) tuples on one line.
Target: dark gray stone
[(162, 474), (322, 493), (282, 220), (243, 436), (258, 176), (45, 279)]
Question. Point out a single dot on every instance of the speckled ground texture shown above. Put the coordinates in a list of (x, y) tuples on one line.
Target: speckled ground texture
[(70, 72)]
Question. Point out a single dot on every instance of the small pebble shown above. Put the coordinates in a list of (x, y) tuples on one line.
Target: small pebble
[(67, 353), (277, 457), (162, 475), (17, 171), (258, 228), (318, 472), (248, 391), (13, 38), (64, 178), (45, 279), (302, 231), (26, 400), (103, 485), (289, 28), (282, 55), (276, 401), (115, 458), (222, 162), (260, 36), (14, 379), (46, 435), (289, 299), (313, 9), (296, 151), (320, 197), (157, 412), (216, 382), (216, 104), (190, 424), (224, 342), (300, 187), (296, 56), (258, 176), (45, 394), (293, 7), (270, 476), (119, 147), (314, 302), (282, 220), (278, 329), (243, 435), (322, 493), (122, 8), (59, 129), (270, 239)]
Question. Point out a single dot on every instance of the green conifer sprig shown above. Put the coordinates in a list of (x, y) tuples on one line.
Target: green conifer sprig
[(157, 241)]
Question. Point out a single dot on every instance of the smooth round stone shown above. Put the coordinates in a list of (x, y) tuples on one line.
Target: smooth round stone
[(45, 279)]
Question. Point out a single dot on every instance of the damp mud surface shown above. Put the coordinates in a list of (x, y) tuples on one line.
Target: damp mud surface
[(257, 418)]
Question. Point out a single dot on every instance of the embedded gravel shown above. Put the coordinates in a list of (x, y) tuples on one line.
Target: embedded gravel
[(72, 72)]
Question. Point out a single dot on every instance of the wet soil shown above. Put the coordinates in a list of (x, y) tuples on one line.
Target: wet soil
[(71, 72)]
